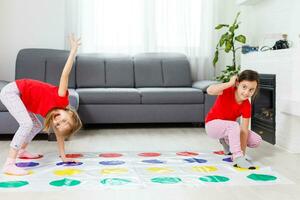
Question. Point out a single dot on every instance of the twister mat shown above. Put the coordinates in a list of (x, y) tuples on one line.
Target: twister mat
[(115, 170)]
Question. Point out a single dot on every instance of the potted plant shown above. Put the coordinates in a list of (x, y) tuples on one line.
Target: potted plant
[(227, 42)]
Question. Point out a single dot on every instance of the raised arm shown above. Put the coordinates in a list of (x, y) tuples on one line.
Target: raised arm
[(217, 89), (64, 79)]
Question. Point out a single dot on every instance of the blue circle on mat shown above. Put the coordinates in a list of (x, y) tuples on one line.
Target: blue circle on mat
[(154, 161), (195, 160), (112, 162), (227, 159), (69, 163), (27, 164)]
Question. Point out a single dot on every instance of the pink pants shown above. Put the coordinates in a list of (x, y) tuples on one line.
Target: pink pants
[(230, 131)]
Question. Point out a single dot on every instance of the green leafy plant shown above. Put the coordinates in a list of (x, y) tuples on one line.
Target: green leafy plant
[(227, 43)]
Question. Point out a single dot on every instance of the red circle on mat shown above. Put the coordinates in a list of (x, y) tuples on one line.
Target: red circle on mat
[(187, 153), (110, 155), (149, 154), (40, 156), (219, 152), (74, 155)]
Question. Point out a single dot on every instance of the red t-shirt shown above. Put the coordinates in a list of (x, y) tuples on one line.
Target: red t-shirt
[(226, 107), (39, 97)]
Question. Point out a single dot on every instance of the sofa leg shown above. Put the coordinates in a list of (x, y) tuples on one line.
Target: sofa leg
[(198, 124), (51, 137)]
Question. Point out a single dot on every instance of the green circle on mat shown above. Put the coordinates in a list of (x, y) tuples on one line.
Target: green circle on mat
[(214, 179), (13, 184), (166, 180), (64, 182), (261, 177), (115, 181)]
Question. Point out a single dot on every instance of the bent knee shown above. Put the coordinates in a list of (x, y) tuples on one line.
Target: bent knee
[(255, 142)]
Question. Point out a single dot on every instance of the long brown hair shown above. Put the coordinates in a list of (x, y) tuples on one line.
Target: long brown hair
[(75, 125), (250, 75)]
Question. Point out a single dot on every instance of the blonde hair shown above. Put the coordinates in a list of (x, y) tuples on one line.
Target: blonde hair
[(74, 126)]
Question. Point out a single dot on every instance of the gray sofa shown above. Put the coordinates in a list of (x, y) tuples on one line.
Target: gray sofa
[(115, 88)]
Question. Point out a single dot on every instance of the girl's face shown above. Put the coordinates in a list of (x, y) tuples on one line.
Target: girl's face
[(62, 120), (245, 90)]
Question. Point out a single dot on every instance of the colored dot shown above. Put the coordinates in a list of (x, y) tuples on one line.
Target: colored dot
[(112, 162), (107, 171), (30, 158), (27, 164), (110, 155), (74, 155), (195, 160), (219, 152), (227, 159), (29, 173), (261, 177), (65, 182), (214, 179), (204, 169), (166, 180), (154, 161), (245, 169), (187, 153), (67, 172), (149, 154), (69, 164), (161, 170), (115, 181), (13, 184)]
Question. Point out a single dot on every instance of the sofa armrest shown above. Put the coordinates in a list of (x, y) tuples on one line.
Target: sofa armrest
[(2, 84), (73, 98), (203, 85)]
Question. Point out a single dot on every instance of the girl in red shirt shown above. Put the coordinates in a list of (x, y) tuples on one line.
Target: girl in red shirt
[(25, 98), (233, 102)]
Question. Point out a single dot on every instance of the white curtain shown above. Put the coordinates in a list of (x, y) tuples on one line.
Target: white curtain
[(135, 26)]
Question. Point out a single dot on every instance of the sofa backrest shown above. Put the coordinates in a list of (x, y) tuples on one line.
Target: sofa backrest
[(104, 70), (43, 64), (162, 70)]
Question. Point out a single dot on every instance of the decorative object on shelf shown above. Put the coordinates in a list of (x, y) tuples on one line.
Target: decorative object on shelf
[(248, 49), (282, 43), (229, 39)]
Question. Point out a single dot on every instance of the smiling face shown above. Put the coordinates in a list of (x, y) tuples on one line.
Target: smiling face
[(62, 120), (245, 90)]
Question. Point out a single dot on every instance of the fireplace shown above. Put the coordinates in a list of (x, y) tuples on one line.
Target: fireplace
[(264, 109)]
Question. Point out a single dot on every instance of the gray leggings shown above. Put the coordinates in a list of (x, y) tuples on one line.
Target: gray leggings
[(30, 125)]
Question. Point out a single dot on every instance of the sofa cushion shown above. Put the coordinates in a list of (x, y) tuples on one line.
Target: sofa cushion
[(54, 68), (171, 96), (176, 72), (119, 72), (109, 96), (147, 71), (2, 84), (90, 71)]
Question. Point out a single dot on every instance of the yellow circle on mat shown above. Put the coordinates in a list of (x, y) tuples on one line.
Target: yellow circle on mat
[(29, 173), (244, 169), (67, 172), (161, 170), (113, 171), (204, 168)]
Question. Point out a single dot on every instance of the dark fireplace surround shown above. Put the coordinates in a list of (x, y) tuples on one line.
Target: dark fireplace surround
[(264, 109)]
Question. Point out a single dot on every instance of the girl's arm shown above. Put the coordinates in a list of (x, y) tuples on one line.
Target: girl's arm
[(244, 133), (217, 89), (61, 149), (64, 79)]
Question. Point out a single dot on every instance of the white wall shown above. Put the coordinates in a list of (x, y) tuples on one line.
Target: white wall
[(28, 24), (271, 17)]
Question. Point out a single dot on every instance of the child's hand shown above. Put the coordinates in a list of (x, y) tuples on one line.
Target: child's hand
[(233, 80), (74, 42)]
